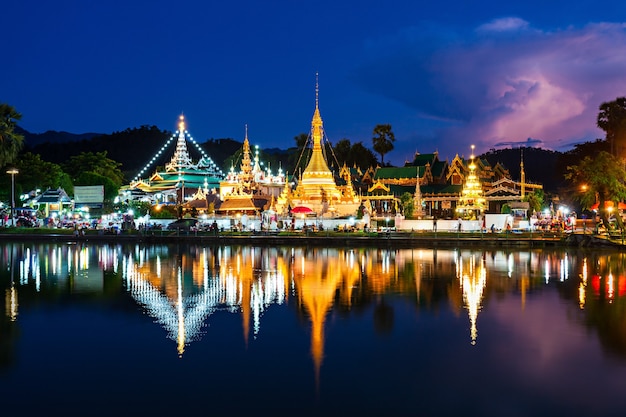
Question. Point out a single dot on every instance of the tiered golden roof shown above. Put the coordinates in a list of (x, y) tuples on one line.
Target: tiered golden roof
[(317, 188)]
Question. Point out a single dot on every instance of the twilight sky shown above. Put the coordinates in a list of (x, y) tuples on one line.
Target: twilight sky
[(444, 75)]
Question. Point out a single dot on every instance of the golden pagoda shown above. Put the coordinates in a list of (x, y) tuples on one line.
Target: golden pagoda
[(472, 203), (316, 189), (252, 188)]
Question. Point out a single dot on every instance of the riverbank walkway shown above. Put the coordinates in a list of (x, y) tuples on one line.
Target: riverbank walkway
[(327, 238)]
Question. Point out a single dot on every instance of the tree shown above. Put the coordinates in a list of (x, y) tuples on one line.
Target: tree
[(535, 201), (342, 151), (300, 156), (10, 142), (97, 163), (612, 119), (362, 156), (301, 140), (600, 179), (383, 140), (36, 173), (90, 168), (407, 204), (91, 178), (354, 154)]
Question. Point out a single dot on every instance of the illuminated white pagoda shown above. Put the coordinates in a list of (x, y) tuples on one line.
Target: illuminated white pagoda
[(182, 177)]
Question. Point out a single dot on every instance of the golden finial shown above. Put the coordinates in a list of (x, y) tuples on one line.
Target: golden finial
[(181, 123), (317, 89), (246, 137)]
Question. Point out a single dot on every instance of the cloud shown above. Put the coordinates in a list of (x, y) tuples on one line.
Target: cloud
[(504, 24), (502, 82)]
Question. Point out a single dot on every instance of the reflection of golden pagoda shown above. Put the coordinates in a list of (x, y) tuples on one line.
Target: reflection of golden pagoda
[(317, 189), (317, 287), (473, 281)]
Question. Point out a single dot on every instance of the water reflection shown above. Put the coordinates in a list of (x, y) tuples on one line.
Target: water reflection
[(180, 287), (472, 279)]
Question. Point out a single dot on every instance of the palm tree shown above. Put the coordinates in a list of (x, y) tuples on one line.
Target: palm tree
[(383, 140), (10, 142), (612, 119)]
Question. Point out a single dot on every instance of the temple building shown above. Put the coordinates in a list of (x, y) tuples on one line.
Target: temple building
[(182, 177), (252, 189), (460, 188), (317, 190)]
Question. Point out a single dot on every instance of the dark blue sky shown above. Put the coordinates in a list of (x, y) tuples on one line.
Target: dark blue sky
[(445, 75)]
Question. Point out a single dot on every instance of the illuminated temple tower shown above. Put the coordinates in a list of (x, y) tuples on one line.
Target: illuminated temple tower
[(317, 189), (252, 188), (472, 203), (181, 177)]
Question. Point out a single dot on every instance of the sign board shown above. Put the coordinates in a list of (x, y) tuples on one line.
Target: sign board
[(89, 195)]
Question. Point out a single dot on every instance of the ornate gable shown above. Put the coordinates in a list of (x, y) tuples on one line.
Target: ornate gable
[(456, 171), (378, 188)]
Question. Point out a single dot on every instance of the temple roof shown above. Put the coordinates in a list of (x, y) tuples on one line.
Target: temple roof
[(399, 173), (53, 196)]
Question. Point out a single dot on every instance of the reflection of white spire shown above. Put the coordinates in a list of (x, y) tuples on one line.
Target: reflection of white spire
[(182, 320), (181, 339), (184, 316)]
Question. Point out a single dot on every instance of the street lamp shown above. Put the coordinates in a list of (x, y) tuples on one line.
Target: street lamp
[(13, 172)]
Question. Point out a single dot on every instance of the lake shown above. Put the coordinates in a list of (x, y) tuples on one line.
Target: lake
[(135, 329)]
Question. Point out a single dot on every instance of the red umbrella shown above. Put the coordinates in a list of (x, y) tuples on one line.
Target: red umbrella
[(301, 210)]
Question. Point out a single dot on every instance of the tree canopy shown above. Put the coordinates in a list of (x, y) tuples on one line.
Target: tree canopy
[(97, 163), (383, 140), (612, 119), (10, 141), (90, 168), (35, 173), (601, 178), (300, 155)]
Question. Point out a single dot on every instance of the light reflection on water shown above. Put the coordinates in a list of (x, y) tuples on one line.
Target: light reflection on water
[(183, 288)]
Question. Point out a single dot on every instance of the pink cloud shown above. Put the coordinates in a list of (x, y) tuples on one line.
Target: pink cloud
[(505, 81)]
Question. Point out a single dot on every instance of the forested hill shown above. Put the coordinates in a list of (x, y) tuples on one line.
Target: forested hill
[(33, 139), (133, 148), (540, 165)]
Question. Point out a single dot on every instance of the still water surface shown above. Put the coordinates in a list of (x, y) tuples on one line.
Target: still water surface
[(98, 329)]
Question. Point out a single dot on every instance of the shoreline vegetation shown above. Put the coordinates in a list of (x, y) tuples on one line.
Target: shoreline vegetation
[(326, 238)]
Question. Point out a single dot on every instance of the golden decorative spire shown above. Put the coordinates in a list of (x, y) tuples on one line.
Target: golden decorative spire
[(317, 163), (317, 89), (246, 162)]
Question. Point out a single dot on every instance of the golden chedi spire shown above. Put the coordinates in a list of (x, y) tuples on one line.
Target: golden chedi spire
[(317, 189), (317, 180), (317, 163), (246, 162)]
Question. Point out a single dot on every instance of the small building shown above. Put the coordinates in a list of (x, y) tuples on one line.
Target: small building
[(52, 202)]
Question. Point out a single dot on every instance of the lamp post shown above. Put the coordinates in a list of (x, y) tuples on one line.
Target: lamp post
[(13, 172)]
